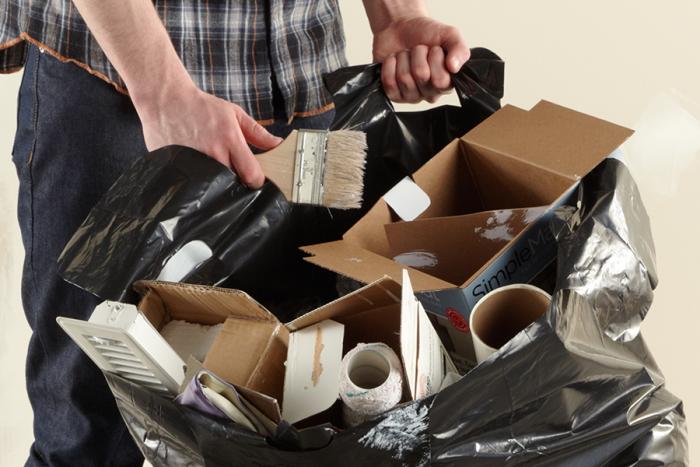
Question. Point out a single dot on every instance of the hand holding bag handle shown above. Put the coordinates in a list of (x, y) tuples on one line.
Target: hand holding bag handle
[(479, 86)]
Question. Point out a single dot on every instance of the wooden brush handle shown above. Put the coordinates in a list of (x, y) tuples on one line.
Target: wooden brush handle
[(278, 163)]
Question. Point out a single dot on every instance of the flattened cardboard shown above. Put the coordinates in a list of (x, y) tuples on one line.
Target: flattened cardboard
[(267, 405)]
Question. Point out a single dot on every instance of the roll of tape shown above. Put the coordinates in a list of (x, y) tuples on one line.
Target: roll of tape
[(371, 382)]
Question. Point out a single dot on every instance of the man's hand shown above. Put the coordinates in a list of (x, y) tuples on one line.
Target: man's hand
[(417, 53), (218, 128), (171, 108)]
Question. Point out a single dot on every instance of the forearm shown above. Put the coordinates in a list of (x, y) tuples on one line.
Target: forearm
[(138, 46), (172, 109), (383, 12)]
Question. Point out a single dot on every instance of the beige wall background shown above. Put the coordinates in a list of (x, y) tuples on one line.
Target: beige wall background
[(629, 61)]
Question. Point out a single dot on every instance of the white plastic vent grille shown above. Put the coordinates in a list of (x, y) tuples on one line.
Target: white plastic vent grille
[(125, 363), (119, 339)]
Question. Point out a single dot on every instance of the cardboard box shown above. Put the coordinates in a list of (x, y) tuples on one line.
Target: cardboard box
[(259, 332), (517, 164), (271, 363)]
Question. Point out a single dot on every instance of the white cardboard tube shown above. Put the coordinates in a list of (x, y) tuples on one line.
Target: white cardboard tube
[(499, 315), (371, 382)]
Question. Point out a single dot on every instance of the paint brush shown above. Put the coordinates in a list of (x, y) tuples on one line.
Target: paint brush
[(324, 168)]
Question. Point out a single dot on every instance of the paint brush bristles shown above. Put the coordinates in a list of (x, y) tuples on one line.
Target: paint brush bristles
[(323, 168), (344, 169)]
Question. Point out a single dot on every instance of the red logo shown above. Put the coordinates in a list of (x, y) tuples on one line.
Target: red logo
[(457, 320)]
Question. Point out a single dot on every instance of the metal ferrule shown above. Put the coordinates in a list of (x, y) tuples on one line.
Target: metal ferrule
[(309, 167)]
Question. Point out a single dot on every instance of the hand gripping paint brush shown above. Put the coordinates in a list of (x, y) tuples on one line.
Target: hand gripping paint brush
[(324, 168)]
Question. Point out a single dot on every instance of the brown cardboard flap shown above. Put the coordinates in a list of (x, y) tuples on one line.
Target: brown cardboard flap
[(381, 293), (447, 169), (202, 304), (153, 308), (504, 182), (357, 263), (268, 377), (374, 325), (449, 182), (237, 349), (368, 232), (453, 248), (550, 136)]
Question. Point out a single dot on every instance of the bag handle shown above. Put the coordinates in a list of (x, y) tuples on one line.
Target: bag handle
[(479, 86), (481, 80)]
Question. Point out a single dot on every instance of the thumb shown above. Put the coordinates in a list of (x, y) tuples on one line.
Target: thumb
[(256, 134), (457, 51)]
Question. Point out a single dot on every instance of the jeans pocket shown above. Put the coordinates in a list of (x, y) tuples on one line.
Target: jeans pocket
[(26, 110), (19, 107)]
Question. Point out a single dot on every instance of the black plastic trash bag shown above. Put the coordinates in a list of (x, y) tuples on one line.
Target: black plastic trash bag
[(576, 388), (176, 196), (170, 198)]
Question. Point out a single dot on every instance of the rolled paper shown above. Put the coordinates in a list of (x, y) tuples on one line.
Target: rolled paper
[(371, 382), (502, 313)]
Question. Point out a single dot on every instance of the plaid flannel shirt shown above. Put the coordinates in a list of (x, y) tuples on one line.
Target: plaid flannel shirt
[(231, 48)]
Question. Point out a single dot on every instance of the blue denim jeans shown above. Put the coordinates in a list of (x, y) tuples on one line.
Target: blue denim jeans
[(75, 135)]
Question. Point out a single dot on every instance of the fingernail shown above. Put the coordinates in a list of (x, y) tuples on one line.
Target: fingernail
[(455, 64)]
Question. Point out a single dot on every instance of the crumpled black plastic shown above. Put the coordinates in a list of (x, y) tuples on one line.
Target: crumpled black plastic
[(577, 387), (166, 199), (175, 195)]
